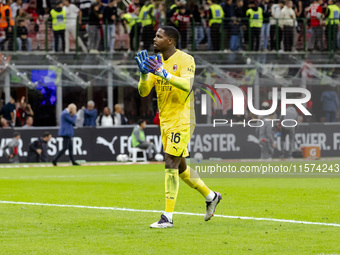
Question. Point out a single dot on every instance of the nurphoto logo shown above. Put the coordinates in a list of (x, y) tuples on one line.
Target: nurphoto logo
[(239, 104)]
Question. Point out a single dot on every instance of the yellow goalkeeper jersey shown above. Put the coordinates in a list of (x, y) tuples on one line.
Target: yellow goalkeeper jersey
[(176, 107)]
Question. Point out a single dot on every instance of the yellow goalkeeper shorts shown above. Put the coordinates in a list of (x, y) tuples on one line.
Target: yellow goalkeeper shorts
[(175, 140)]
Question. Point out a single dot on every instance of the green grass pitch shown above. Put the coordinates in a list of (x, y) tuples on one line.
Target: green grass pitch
[(38, 229)]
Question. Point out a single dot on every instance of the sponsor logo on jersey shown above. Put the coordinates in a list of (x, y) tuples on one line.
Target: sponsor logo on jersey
[(175, 68), (191, 69)]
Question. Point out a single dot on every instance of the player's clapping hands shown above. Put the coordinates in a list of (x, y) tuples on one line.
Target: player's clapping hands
[(155, 64), (140, 59), (151, 64)]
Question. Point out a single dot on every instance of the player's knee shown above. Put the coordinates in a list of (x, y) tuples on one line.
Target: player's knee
[(171, 162), (192, 183), (181, 169)]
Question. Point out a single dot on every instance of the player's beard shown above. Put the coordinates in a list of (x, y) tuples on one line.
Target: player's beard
[(156, 50)]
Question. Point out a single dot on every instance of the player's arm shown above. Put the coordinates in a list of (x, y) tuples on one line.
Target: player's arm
[(146, 81), (186, 76), (145, 86)]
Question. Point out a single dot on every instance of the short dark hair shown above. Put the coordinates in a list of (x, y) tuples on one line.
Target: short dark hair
[(46, 134), (140, 121), (16, 134), (172, 33)]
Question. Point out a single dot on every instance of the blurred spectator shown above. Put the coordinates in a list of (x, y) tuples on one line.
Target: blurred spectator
[(332, 22), (132, 26), (8, 111), (156, 119), (291, 114), (236, 27), (229, 16), (207, 24), (15, 7), (183, 18), (90, 115), (43, 7), (109, 25), (94, 28), (12, 147), (29, 122), (299, 8), (4, 124), (22, 15), (160, 16), (59, 25), (265, 29), (174, 8), (240, 22), (197, 13), (255, 15), (216, 15), (73, 14), (287, 23), (119, 117), (315, 16), (275, 39), (23, 111), (6, 23), (138, 139), (23, 41), (68, 119), (85, 7), (37, 151), (132, 7), (147, 20), (267, 138), (32, 8), (105, 119), (80, 117), (330, 104), (32, 12)]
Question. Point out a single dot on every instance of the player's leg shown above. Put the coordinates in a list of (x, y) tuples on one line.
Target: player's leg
[(191, 177), (171, 191), (171, 183)]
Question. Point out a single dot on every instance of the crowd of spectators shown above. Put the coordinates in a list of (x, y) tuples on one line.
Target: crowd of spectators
[(100, 25), (16, 114), (20, 114)]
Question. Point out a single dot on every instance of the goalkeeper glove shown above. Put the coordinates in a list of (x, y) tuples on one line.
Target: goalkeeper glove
[(156, 66), (140, 59)]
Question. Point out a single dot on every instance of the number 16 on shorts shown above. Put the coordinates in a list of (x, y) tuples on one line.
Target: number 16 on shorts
[(175, 137)]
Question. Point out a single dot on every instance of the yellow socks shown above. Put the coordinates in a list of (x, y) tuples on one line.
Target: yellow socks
[(171, 191), (191, 177)]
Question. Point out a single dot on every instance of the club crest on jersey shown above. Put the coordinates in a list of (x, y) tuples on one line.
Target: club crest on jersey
[(175, 68)]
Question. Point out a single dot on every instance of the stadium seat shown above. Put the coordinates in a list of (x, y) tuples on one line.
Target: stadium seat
[(133, 155)]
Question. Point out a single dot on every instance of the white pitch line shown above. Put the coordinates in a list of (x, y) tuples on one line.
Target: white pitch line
[(181, 213)]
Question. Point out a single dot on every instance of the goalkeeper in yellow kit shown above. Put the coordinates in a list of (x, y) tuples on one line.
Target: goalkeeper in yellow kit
[(172, 73)]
